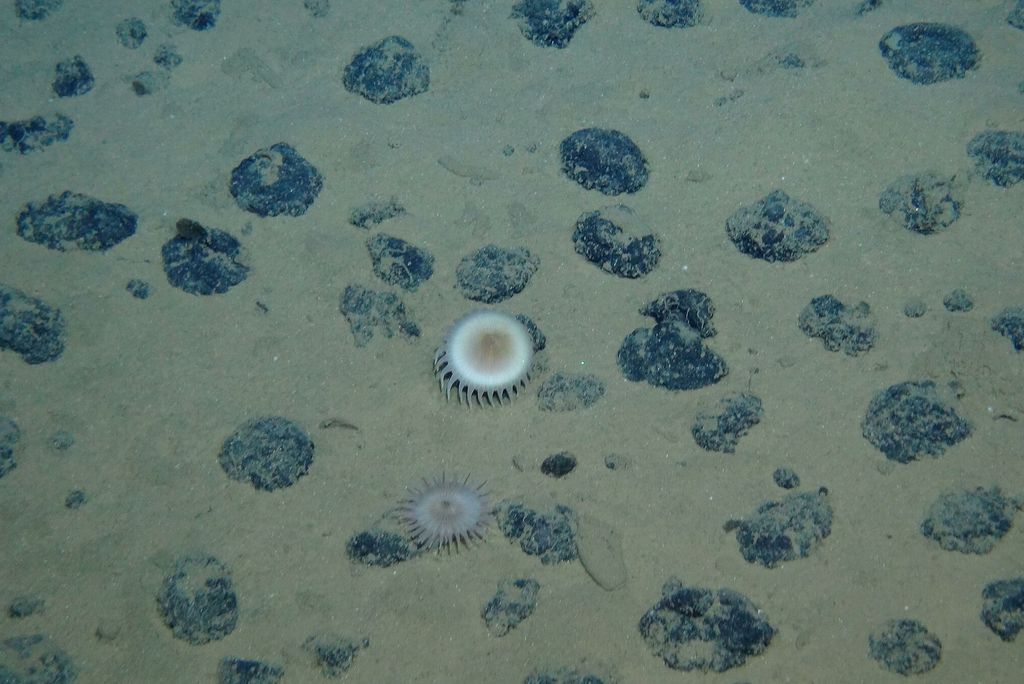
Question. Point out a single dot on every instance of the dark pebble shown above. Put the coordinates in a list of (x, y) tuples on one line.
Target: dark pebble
[(203, 261), (30, 135), (569, 392), (317, 8), (9, 436), (276, 180), (399, 263), (550, 535), (269, 452), (35, 659), (721, 429), (786, 478), (926, 53), (926, 203), (866, 6), (776, 8), (1010, 324), (905, 647), (970, 520), (692, 308), (75, 499), (558, 465), (197, 601), (333, 654), (74, 221), (374, 213), (30, 327), (999, 156), (514, 601), (670, 355), (378, 548), (616, 462), (612, 240), (909, 420), (149, 82), (1003, 608), (369, 312), (387, 71), (131, 32), (198, 15), (139, 289), (73, 77), (958, 301), (240, 671), (696, 628), (840, 327), (915, 308), (62, 440), (785, 530), (605, 160), (493, 274), (35, 10), (23, 606), (671, 13), (551, 23), (777, 228)]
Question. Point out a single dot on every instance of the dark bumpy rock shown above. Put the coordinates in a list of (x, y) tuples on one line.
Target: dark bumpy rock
[(203, 261), (198, 15), (915, 308), (776, 8), (30, 135), (551, 23), (35, 10), (605, 160), (566, 675), (540, 341), (197, 601), (167, 56), (35, 659), (926, 53), (333, 654), (671, 13), (1003, 607), (378, 548), (909, 420), (670, 355), (148, 82), (514, 601), (999, 156), (387, 71), (558, 465), (72, 77), (492, 274), (609, 239), (777, 228), (905, 647), (551, 535), (276, 180), (374, 213), (74, 221), (925, 203), (696, 628), (840, 327), (399, 263), (958, 301), (139, 289), (239, 671), (1016, 16), (1010, 324), (270, 453), (30, 327), (369, 312), (131, 32), (970, 520), (787, 529), (9, 436), (720, 430), (569, 391), (786, 478), (23, 606), (75, 499), (692, 308)]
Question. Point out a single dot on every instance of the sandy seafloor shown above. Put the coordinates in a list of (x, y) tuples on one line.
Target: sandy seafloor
[(150, 389)]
